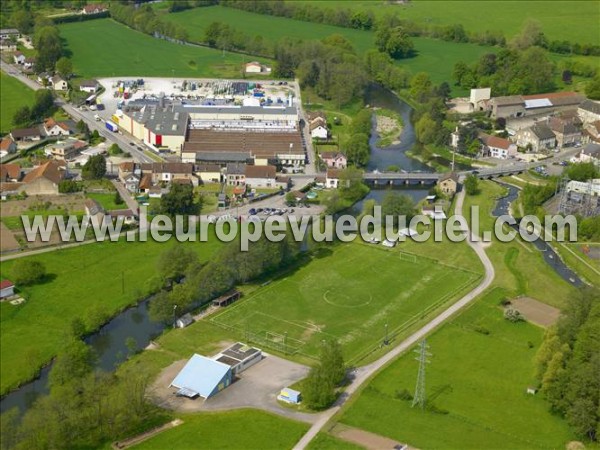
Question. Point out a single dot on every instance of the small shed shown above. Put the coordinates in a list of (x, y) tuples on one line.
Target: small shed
[(290, 396), (531, 390), (7, 288), (227, 299), (184, 321)]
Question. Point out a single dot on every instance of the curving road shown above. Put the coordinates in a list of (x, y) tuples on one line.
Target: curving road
[(364, 373)]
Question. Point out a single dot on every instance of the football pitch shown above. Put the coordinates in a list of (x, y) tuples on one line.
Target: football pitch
[(357, 293)]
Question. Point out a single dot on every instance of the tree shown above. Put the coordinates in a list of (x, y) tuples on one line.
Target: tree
[(358, 149), (22, 116), (179, 200), (27, 272), (399, 45), (213, 33), (77, 327), (531, 34), (75, 361), (64, 67), (425, 129), (460, 70), (319, 387), (398, 205), (43, 105), (592, 88), (49, 48), (582, 171), (290, 198), (22, 20), (472, 184), (68, 186), (420, 86), (114, 150), (94, 168), (174, 262)]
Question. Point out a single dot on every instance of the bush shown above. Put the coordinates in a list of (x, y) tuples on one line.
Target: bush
[(481, 330), (513, 315), (28, 272), (68, 186)]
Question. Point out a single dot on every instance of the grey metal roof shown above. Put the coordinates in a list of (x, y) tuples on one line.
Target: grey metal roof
[(236, 168), (542, 132), (165, 121), (249, 110), (591, 106), (222, 156)]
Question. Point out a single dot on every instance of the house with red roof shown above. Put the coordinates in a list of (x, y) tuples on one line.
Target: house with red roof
[(7, 288), (497, 147)]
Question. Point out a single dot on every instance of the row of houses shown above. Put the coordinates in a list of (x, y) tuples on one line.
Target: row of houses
[(152, 177), (49, 128), (42, 180)]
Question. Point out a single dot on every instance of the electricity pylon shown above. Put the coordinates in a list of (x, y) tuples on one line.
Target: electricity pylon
[(420, 397)]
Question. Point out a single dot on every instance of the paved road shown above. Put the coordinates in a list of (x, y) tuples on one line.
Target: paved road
[(363, 374), (126, 196), (122, 140)]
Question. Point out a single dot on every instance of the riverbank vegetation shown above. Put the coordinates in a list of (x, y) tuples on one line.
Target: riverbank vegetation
[(388, 126)]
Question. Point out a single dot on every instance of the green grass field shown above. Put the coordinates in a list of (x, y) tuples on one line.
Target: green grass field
[(13, 95), (324, 441), (479, 379), (112, 49), (84, 282), (106, 200), (349, 295), (248, 429), (573, 20)]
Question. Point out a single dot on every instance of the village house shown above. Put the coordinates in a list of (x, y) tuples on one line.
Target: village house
[(539, 137), (169, 172), (256, 67), (19, 58), (332, 179), (130, 176), (497, 147), (6, 33), (208, 173), (590, 153), (260, 176), (29, 62), (7, 145), (44, 78), (44, 179), (566, 130), (7, 288), (93, 8), (334, 160), (236, 174), (318, 129), (448, 184), (592, 131), (89, 86), (94, 210), (10, 173), (54, 128), (59, 83), (27, 134), (128, 216), (589, 111), (7, 45), (66, 150)]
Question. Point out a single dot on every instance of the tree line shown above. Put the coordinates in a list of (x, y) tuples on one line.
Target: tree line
[(204, 282), (366, 20), (568, 364)]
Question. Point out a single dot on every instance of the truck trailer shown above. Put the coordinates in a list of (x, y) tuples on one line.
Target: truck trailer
[(111, 126)]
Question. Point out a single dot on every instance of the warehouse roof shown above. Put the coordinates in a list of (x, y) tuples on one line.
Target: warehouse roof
[(201, 375), (242, 110)]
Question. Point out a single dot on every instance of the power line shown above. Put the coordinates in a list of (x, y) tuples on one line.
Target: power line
[(420, 396)]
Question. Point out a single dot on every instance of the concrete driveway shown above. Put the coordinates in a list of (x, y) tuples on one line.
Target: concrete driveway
[(256, 387)]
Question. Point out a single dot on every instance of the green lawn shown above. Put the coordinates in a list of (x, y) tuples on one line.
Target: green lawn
[(83, 282), (349, 293), (13, 95), (240, 429), (562, 19), (107, 201), (586, 267), (324, 441), (480, 367), (112, 49)]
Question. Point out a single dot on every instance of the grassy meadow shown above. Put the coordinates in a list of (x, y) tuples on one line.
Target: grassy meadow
[(13, 95), (233, 430), (111, 49), (480, 367), (82, 282), (572, 20), (349, 293)]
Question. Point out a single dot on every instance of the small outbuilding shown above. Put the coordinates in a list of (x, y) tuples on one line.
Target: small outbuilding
[(290, 396), (227, 299), (7, 288), (184, 321)]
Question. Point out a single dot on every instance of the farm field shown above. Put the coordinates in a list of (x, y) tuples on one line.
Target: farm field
[(573, 20), (481, 365), (13, 95), (434, 56), (83, 282), (349, 293), (111, 49), (233, 430)]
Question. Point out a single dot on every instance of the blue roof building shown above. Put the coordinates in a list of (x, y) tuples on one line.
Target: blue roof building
[(203, 377)]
